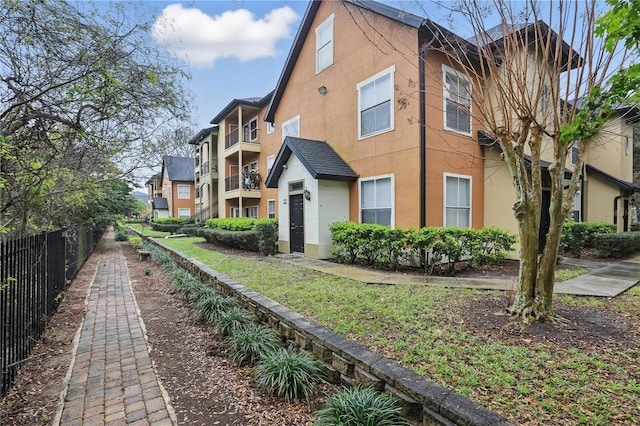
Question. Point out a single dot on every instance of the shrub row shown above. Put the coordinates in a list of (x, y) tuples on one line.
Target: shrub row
[(618, 245), (577, 236), (238, 223), (262, 238), (278, 371), (170, 220), (443, 248)]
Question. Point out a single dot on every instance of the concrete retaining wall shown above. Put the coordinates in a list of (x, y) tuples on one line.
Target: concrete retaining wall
[(424, 401)]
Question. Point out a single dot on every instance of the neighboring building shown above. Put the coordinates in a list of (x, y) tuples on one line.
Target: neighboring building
[(177, 179), (154, 191), (246, 151), (206, 176)]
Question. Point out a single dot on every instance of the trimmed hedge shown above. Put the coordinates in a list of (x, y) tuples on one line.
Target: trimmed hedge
[(618, 245), (238, 223), (443, 248), (170, 220), (577, 236), (242, 240)]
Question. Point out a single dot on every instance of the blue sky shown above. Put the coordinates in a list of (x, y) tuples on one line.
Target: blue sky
[(233, 49)]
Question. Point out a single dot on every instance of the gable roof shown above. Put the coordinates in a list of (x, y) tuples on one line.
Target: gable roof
[(320, 160), (178, 168), (250, 102), (496, 35), (375, 7), (201, 135), (160, 204)]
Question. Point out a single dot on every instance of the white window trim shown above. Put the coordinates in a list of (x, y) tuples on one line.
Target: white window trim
[(248, 124), (391, 70), (270, 128), (326, 22), (444, 198), (271, 203), (183, 209), (188, 189), (448, 70), (291, 120), (235, 212), (393, 196), (270, 159)]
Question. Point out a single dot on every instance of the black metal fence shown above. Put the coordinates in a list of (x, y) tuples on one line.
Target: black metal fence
[(34, 271)]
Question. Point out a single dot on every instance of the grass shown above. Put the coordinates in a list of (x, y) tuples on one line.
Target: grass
[(147, 231), (567, 274), (418, 327)]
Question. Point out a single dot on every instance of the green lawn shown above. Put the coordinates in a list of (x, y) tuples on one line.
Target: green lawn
[(419, 327), (147, 231)]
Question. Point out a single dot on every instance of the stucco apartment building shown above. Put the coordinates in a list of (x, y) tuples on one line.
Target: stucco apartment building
[(368, 123)]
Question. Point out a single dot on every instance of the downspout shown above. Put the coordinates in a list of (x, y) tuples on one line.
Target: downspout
[(423, 131)]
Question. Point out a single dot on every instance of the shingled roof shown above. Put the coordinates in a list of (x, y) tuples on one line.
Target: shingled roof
[(320, 160), (178, 168)]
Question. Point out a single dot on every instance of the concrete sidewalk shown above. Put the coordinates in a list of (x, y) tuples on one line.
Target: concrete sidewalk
[(111, 380), (608, 281)]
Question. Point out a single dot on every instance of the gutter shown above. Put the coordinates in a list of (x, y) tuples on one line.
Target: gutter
[(423, 130)]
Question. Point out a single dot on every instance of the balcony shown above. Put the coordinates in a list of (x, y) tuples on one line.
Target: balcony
[(205, 168), (247, 140), (247, 186)]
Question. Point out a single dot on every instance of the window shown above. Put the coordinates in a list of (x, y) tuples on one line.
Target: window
[(457, 199), (375, 104), (271, 208), (457, 101), (324, 44), (577, 207), (270, 128), (250, 131), (376, 200), (184, 192), (270, 160), (291, 127), (574, 153), (235, 212), (186, 212)]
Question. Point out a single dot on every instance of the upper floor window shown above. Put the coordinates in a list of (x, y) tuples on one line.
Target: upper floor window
[(291, 127), (184, 192), (574, 152), (375, 104), (457, 101), (324, 44), (250, 130), (457, 201), (376, 200), (270, 128), (270, 161)]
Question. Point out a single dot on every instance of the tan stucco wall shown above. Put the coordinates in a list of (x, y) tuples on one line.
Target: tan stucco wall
[(612, 150), (333, 117)]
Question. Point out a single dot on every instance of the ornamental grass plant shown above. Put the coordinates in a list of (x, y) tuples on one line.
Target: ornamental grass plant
[(252, 344), (357, 406), (288, 373)]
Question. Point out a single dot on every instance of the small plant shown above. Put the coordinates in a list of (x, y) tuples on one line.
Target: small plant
[(147, 271), (232, 320), (289, 374), (211, 306), (135, 241), (358, 406), (250, 345)]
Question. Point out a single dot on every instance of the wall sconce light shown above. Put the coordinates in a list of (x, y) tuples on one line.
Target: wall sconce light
[(307, 194), (322, 90)]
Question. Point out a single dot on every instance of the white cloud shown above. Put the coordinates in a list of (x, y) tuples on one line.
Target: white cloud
[(199, 39)]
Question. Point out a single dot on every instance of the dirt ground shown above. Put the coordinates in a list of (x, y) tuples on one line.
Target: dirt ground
[(206, 388)]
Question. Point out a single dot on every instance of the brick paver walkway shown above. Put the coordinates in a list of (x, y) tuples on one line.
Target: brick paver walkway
[(112, 379)]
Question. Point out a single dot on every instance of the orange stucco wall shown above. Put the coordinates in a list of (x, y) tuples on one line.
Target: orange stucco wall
[(360, 52)]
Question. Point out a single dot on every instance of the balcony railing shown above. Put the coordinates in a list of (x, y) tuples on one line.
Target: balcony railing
[(232, 183), (205, 168), (234, 137)]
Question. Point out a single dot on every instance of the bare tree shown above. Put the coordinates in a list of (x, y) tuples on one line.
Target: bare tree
[(538, 83), (80, 88)]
